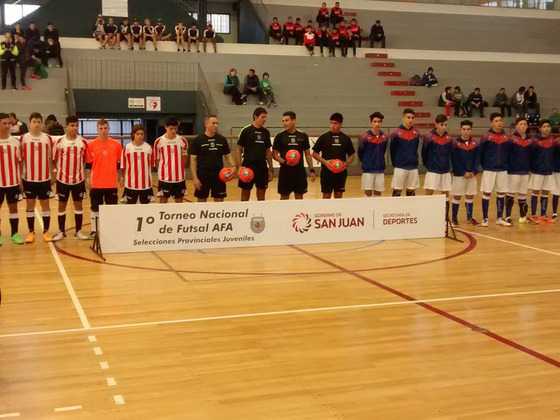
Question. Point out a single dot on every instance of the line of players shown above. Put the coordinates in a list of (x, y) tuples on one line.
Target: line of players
[(102, 166)]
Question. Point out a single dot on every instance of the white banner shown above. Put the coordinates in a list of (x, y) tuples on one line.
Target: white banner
[(136, 103), (115, 8), (158, 227)]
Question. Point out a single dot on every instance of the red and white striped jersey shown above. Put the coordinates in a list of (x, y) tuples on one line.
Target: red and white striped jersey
[(169, 154), (36, 153), (70, 156), (10, 156), (137, 162)]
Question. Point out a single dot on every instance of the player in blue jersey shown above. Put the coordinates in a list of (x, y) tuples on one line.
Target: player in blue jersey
[(403, 148), (371, 151)]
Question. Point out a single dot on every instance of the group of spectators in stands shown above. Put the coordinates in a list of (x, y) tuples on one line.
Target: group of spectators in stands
[(26, 49), (251, 86), (110, 35)]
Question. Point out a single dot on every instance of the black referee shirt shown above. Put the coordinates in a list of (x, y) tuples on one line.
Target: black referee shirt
[(209, 151), (255, 143), (285, 141), (334, 146)]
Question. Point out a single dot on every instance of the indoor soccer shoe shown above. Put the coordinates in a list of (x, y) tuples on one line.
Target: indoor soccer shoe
[(546, 219), (454, 223), (81, 236), (30, 238), (484, 223), (523, 220), (59, 237), (16, 239), (509, 220), (502, 222), (472, 222), (47, 237), (535, 220)]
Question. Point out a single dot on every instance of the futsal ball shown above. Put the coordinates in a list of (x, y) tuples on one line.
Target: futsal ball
[(337, 166), (246, 174), (293, 157), (226, 174)]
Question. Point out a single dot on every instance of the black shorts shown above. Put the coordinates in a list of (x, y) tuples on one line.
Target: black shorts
[(63, 191), (33, 190), (211, 184), (260, 180), (133, 196), (100, 196), (12, 194), (331, 182), (172, 189), (292, 180)]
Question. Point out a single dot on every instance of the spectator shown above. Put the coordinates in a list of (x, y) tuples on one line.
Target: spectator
[(377, 34), (32, 33), (98, 32), (149, 33), (323, 15), (53, 127), (275, 30), (24, 60), (446, 100), (309, 41), (38, 54), (251, 86), (299, 31), (17, 31), (337, 16), (555, 121), (518, 101), (502, 101), (51, 33), (459, 99), (309, 25), (266, 89), (111, 31), (344, 39), (52, 50), (124, 34), (231, 87), (18, 127), (322, 37), (160, 31), (137, 34), (193, 36), (209, 36), (288, 31), (475, 101), (334, 41), (180, 31), (355, 35), (531, 101), (8, 59), (429, 79)]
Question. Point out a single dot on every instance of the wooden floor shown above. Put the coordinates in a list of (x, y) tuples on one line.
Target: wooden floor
[(423, 329)]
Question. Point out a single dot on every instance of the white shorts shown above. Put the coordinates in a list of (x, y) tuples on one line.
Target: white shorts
[(541, 182), (517, 184), (556, 189), (494, 181), (373, 182), (405, 179), (463, 186), (437, 182)]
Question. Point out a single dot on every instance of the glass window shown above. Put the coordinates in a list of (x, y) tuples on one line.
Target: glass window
[(220, 22)]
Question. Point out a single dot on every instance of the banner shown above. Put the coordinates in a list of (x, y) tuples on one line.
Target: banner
[(173, 226)]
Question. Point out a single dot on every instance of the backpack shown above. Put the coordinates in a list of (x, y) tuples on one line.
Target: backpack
[(415, 80), (42, 72)]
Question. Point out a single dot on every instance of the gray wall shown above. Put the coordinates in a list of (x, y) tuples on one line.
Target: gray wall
[(250, 30)]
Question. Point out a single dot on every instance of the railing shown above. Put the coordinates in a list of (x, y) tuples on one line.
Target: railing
[(205, 93), (262, 14), (70, 100), (517, 4)]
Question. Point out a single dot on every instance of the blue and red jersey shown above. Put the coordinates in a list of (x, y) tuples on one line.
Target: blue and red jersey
[(371, 151), (436, 152), (543, 157), (465, 156), (520, 155), (403, 147), (494, 151)]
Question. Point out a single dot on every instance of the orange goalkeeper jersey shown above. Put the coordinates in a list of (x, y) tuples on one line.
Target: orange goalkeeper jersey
[(104, 157)]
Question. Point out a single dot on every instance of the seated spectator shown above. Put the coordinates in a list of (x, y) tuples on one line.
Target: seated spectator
[(288, 31), (99, 32), (18, 127), (137, 34), (502, 101), (377, 34), (355, 35), (299, 31), (251, 86), (322, 37), (531, 101), (180, 31), (32, 33), (51, 33), (17, 31), (160, 31), (459, 99), (124, 34), (52, 50), (518, 101), (308, 41), (275, 30), (111, 31), (8, 59), (429, 79), (554, 120), (209, 37), (337, 16), (193, 36), (53, 127), (266, 89), (446, 100), (309, 25), (149, 33), (323, 15), (231, 87), (344, 38), (334, 42), (475, 101)]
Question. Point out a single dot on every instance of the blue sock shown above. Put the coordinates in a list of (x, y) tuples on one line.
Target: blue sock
[(447, 209), (522, 207), (469, 206), (485, 205), (454, 209), (534, 199), (544, 204), (555, 203), (509, 206), (500, 207)]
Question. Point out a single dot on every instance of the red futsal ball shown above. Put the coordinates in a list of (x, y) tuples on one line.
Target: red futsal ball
[(293, 156), (337, 166), (226, 174), (246, 174)]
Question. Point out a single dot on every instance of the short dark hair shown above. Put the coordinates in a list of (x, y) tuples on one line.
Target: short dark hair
[(210, 116), (543, 121), (274, 18), (12, 115), (408, 111), (495, 115), (476, 88), (51, 117), (503, 89), (337, 116), (253, 70), (457, 87), (35, 115), (448, 88), (430, 68), (258, 111), (266, 74), (519, 119), (531, 87), (440, 118), (521, 89), (136, 128), (3, 116), (71, 119), (377, 21), (466, 122), (290, 114), (172, 122), (376, 114)]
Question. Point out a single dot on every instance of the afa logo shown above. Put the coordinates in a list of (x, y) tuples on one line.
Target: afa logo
[(301, 223), (257, 224)]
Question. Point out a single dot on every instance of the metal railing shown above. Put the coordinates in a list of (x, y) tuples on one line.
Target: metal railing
[(205, 93), (516, 4), (70, 100)]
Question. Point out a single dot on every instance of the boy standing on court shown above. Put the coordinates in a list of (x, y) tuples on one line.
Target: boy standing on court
[(403, 148), (136, 162), (371, 151)]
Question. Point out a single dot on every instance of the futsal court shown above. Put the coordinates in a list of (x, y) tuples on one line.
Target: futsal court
[(404, 329)]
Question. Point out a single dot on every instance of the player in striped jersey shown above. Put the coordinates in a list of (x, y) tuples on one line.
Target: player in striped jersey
[(69, 155), (170, 151), (136, 162), (37, 174), (10, 157)]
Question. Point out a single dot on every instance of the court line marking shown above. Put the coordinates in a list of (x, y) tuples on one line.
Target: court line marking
[(92, 338), (104, 365), (7, 415), (70, 408), (98, 351), (119, 400), (274, 313), (67, 282), (546, 251), (111, 381)]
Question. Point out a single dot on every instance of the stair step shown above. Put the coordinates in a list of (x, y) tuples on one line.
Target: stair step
[(350, 14), (395, 83), (389, 73), (376, 55), (403, 93), (424, 125), (410, 103), (382, 64), (423, 114)]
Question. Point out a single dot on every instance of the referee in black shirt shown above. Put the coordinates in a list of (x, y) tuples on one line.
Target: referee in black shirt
[(253, 151), (333, 144), (292, 177), (207, 152)]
